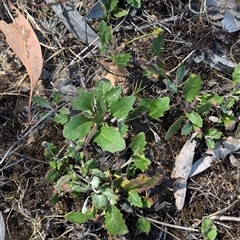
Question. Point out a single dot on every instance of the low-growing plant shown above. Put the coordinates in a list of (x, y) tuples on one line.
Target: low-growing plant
[(209, 229), (102, 116)]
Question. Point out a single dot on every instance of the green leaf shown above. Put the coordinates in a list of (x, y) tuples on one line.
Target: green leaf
[(158, 107), (100, 201), (77, 128), (79, 217), (52, 175), (108, 192), (121, 108), (195, 118), (111, 5), (113, 94), (187, 128), (120, 12), (141, 162), (121, 59), (138, 144), (134, 3), (204, 108), (209, 229), (174, 128), (134, 199), (170, 86), (236, 74), (210, 143), (56, 97), (110, 140), (84, 101), (143, 225), (41, 102), (62, 116), (157, 45), (180, 74), (104, 32), (191, 88), (114, 222)]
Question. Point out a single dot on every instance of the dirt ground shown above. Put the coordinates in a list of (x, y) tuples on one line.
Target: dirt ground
[(24, 191)]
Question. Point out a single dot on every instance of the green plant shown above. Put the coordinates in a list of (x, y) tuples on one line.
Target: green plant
[(102, 116), (209, 229)]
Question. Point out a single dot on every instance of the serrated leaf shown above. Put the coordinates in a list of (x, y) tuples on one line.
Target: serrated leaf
[(41, 102), (77, 128), (134, 3), (84, 101), (192, 87), (79, 217), (113, 94), (236, 74), (121, 108), (100, 201), (110, 140), (158, 107), (143, 225), (134, 199), (121, 59), (141, 162), (138, 144), (195, 118), (157, 45), (180, 74), (114, 222), (209, 229), (104, 32), (111, 195), (174, 128)]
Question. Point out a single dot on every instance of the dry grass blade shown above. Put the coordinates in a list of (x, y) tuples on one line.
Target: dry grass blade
[(24, 42)]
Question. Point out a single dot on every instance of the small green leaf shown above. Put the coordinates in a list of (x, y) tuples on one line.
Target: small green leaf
[(195, 118), (114, 221), (111, 5), (138, 144), (113, 94), (236, 74), (174, 128), (204, 108), (157, 45), (134, 199), (79, 217), (41, 102), (62, 116), (56, 97), (95, 182), (143, 225), (120, 12), (210, 143), (134, 3), (104, 32), (52, 175), (192, 87), (108, 192), (209, 229), (121, 108), (170, 86), (141, 162), (110, 140), (158, 107), (100, 201), (77, 128), (84, 101), (180, 74), (187, 128), (121, 59)]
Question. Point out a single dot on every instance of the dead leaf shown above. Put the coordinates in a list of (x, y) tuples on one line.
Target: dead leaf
[(24, 42), (181, 171), (115, 74)]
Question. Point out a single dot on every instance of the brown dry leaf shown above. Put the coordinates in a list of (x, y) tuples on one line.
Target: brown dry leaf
[(24, 42), (116, 75)]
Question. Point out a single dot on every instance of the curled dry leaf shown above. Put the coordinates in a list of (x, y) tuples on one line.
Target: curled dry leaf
[(24, 42), (181, 171)]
